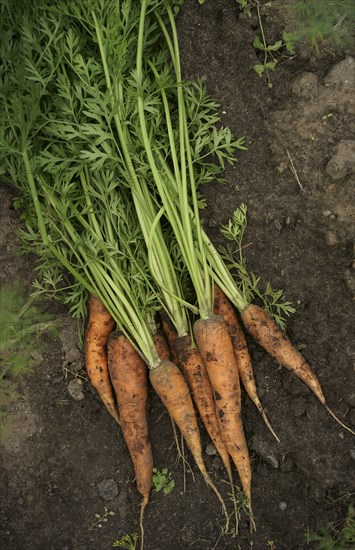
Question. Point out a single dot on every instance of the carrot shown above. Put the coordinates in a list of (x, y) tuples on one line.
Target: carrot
[(215, 345), (267, 333), (190, 362), (129, 377), (173, 390), (100, 325), (223, 307), (161, 344)]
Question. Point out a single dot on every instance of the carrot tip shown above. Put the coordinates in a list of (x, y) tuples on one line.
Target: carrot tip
[(338, 420), (141, 518), (266, 420)]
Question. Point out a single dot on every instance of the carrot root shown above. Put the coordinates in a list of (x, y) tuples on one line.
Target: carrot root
[(141, 519), (100, 325), (129, 378), (215, 345), (173, 390), (267, 333), (333, 415), (223, 307)]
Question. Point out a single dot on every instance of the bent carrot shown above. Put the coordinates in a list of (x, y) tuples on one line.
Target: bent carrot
[(129, 377), (215, 345), (100, 325), (267, 333), (223, 307), (173, 390)]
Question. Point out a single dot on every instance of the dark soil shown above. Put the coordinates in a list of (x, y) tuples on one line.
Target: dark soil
[(300, 238)]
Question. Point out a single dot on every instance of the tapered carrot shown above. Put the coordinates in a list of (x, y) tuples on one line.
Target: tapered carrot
[(129, 377), (190, 362), (223, 307), (216, 348), (265, 331), (100, 325), (173, 390)]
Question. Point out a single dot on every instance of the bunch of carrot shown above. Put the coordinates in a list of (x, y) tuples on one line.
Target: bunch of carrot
[(110, 145)]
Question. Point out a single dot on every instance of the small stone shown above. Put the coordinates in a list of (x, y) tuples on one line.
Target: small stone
[(108, 489), (282, 506), (331, 238), (326, 213), (349, 278), (343, 160), (352, 453), (75, 389), (211, 450), (37, 356), (265, 450), (306, 85)]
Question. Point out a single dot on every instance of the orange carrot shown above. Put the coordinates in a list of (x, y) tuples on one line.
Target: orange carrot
[(129, 377), (215, 345), (161, 344), (100, 325), (173, 390), (190, 362), (223, 307), (267, 333)]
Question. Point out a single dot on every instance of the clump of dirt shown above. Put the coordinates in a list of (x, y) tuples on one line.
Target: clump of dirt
[(65, 462)]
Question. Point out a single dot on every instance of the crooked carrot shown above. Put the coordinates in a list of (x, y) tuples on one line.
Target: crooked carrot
[(100, 325)]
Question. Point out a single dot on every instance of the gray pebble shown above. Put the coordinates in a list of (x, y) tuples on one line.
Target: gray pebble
[(343, 161), (108, 489), (349, 277), (37, 356), (306, 85), (352, 453), (265, 450), (211, 450), (282, 506), (75, 389), (331, 238)]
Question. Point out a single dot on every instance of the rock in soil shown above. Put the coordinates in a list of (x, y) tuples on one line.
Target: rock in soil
[(211, 450), (108, 489), (75, 389), (342, 162), (265, 450)]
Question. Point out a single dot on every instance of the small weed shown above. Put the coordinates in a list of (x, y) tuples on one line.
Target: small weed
[(320, 20), (337, 536), (129, 542), (269, 62), (21, 326), (162, 481), (100, 519)]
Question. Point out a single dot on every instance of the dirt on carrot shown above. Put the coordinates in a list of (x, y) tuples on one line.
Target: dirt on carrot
[(223, 307), (216, 348), (100, 325)]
